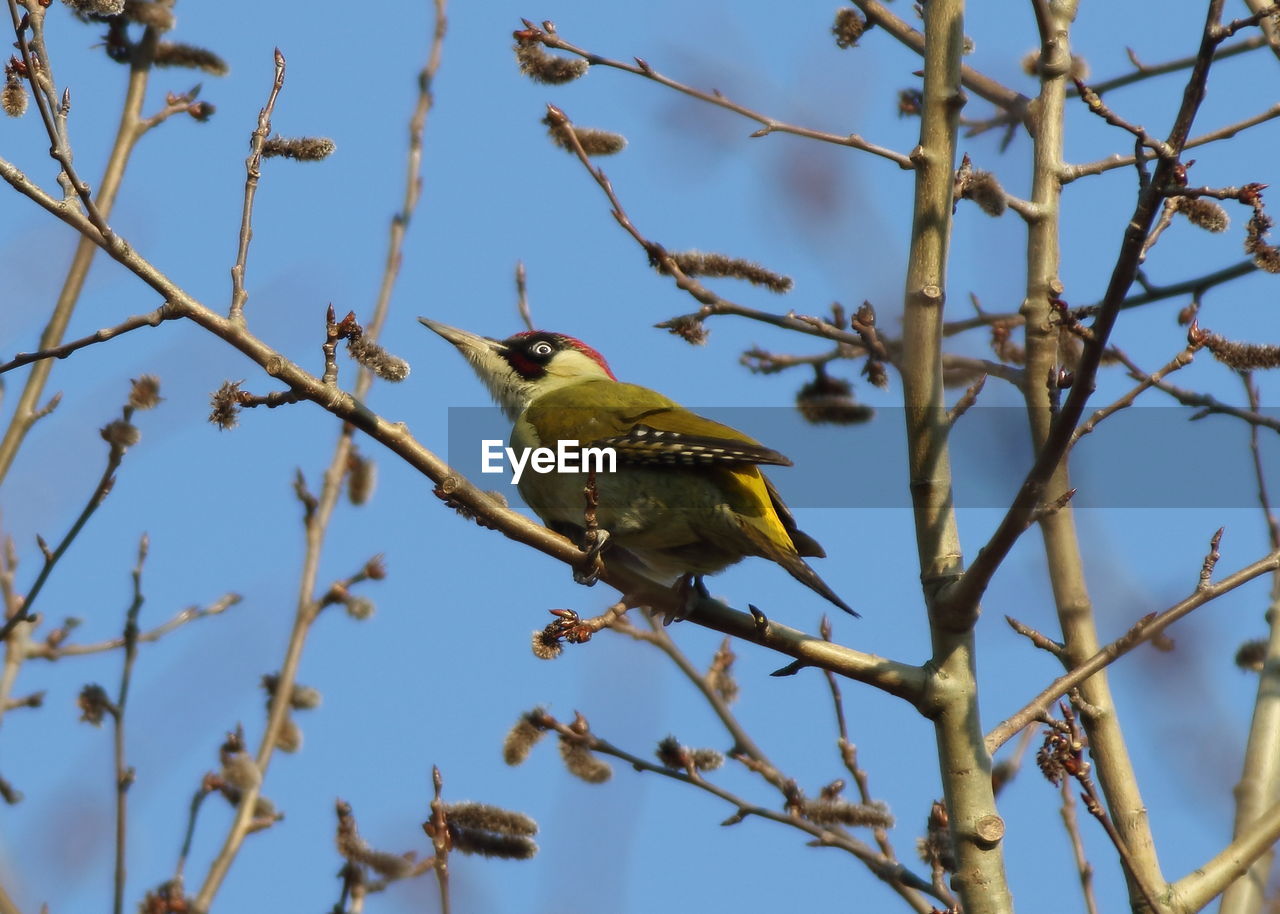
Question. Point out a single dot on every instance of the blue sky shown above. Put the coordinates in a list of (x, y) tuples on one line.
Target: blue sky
[(443, 668)]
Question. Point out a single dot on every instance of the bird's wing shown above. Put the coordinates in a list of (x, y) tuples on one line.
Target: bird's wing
[(659, 432), (805, 544)]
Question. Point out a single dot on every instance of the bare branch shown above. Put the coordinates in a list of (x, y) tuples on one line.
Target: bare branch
[(124, 776), (25, 411), (43, 650), (1147, 71), (253, 173), (151, 319), (1071, 172), (968, 590), (1181, 360), (888, 870), (548, 36), (1146, 628), (522, 296)]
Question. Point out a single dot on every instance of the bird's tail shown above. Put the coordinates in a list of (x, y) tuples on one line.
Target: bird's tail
[(800, 570)]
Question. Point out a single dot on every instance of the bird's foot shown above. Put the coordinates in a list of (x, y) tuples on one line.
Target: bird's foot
[(691, 589), (593, 544)]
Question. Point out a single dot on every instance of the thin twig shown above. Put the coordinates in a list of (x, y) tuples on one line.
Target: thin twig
[(969, 589), (42, 650), (1040, 640), (1259, 474), (522, 296), (1083, 867), (1207, 403), (743, 744), (1181, 360), (890, 871), (1144, 71), (316, 521), (193, 813), (125, 775), (114, 456), (849, 756), (25, 411), (1072, 172), (150, 319), (440, 840), (977, 82), (253, 174), (548, 36), (1093, 803), (658, 256), (1197, 286), (53, 111), (1147, 627)]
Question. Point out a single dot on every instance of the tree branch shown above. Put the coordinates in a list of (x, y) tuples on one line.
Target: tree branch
[(253, 173), (548, 36), (1145, 629)]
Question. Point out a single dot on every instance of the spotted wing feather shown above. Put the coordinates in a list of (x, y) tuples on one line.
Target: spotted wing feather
[(645, 444)]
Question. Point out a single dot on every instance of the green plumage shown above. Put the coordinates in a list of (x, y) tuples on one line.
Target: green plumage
[(642, 425), (687, 497), (692, 499)]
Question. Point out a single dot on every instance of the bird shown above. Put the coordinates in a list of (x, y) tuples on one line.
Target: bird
[(687, 497)]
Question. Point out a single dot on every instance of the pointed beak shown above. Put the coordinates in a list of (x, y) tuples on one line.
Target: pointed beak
[(469, 344)]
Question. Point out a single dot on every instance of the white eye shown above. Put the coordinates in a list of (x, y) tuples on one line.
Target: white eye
[(541, 350)]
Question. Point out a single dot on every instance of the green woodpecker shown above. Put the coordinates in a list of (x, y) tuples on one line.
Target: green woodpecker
[(687, 497)]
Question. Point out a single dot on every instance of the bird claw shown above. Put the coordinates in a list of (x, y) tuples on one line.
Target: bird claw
[(593, 543), (690, 589)]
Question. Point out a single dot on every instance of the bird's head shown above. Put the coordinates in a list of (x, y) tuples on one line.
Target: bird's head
[(521, 368)]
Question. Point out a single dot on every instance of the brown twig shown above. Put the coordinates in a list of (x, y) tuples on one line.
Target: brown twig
[(193, 812), (1259, 474), (1143, 71), (968, 590), (1196, 287), (439, 833), (320, 509), (43, 650), (548, 36), (1073, 742), (666, 264), (29, 29), (1181, 360), (1015, 103), (1072, 172), (125, 775), (1146, 628), (743, 744), (1042, 641), (25, 412), (253, 174), (1205, 580), (151, 319), (1207, 403), (890, 871), (174, 104), (849, 757), (1083, 867), (966, 401), (522, 296), (115, 454), (1095, 103)]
